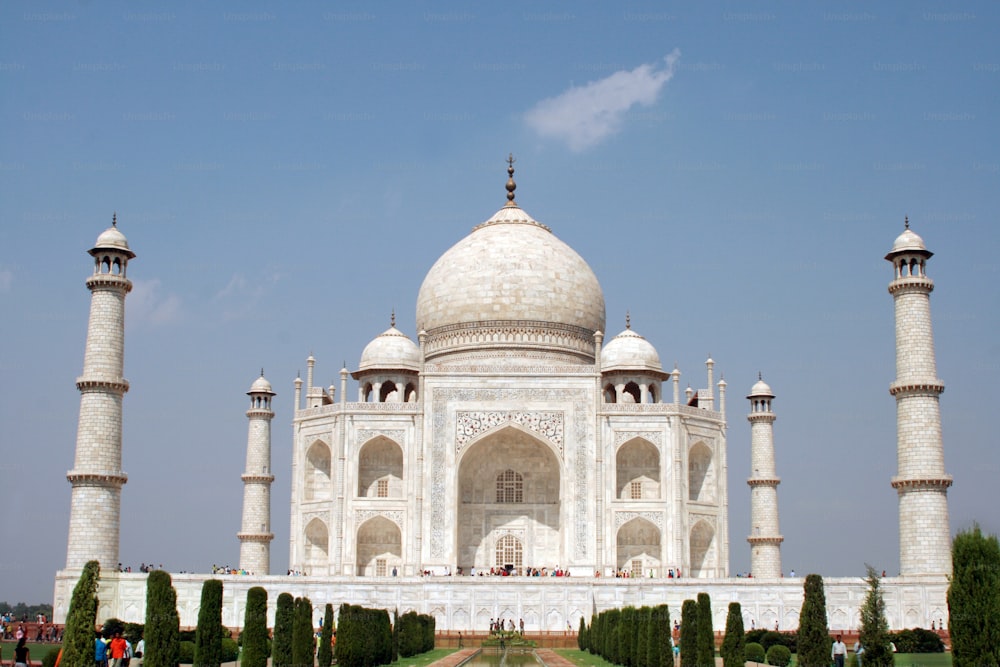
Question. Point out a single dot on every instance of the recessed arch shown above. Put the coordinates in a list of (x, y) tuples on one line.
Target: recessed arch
[(701, 473), (389, 393), (609, 393), (638, 546), (379, 547), (632, 393), (380, 469), (637, 468), (482, 520), (317, 543), (317, 484), (702, 548)]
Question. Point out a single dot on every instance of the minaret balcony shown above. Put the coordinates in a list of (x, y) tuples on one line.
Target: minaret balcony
[(109, 281), (901, 389), (756, 540), (764, 481), (118, 385), (936, 483), (260, 479), (100, 478), (906, 284), (255, 537)]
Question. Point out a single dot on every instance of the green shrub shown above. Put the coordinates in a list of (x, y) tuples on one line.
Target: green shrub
[(111, 626), (706, 634), (50, 656), (814, 640), (917, 640), (208, 636), (284, 619), (256, 643), (778, 655), (78, 639), (229, 650), (303, 644), (974, 599), (689, 633), (185, 653), (162, 622), (733, 643), (324, 656), (133, 632), (754, 652)]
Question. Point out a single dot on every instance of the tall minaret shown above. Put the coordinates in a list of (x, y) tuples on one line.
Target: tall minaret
[(765, 537), (255, 535), (97, 477), (922, 485)]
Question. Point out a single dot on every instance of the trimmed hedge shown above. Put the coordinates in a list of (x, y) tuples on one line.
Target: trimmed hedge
[(256, 643), (754, 652), (779, 656), (364, 637), (917, 640), (414, 632)]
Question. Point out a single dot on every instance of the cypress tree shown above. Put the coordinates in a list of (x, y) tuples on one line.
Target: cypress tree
[(874, 626), (255, 650), (208, 636), (661, 652), (78, 640), (344, 650), (706, 634), (974, 599), (642, 636), (163, 623), (689, 633), (735, 640), (814, 635), (303, 651), (626, 642), (581, 635), (284, 620), (324, 656)]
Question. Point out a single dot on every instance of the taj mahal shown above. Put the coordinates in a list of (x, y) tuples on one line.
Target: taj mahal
[(511, 434)]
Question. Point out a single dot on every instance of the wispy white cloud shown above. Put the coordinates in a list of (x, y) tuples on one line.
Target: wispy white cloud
[(583, 116), (149, 306), (240, 299)]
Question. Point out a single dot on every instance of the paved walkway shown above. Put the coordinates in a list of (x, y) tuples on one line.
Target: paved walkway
[(552, 659), (455, 658)]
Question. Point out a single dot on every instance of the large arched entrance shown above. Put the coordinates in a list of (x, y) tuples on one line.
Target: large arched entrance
[(638, 548), (508, 502), (380, 547)]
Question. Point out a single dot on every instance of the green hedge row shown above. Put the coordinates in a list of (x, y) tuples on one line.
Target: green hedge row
[(630, 637), (364, 637), (415, 633)]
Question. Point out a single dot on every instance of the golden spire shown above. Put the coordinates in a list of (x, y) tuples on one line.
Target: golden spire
[(511, 185)]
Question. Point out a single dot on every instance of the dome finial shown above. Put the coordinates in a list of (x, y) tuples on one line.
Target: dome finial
[(511, 185), (906, 221), (760, 376), (628, 320), (114, 219), (392, 319), (262, 371)]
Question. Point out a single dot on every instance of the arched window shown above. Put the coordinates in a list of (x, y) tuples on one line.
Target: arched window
[(509, 553), (510, 487), (632, 393), (609, 394)]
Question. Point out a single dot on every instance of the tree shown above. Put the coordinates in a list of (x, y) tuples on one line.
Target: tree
[(208, 638), (660, 652), (303, 651), (78, 640), (255, 648), (324, 656), (581, 635), (643, 616), (163, 623), (974, 599), (689, 633), (734, 643), (874, 627), (284, 620), (814, 636), (706, 635)]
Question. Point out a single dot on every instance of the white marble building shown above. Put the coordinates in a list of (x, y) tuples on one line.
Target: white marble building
[(509, 434)]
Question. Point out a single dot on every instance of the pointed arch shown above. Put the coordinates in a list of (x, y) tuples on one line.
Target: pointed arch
[(610, 396), (637, 470), (380, 469), (388, 393), (701, 473), (509, 554), (702, 545), (317, 482), (379, 547), (632, 393), (317, 544), (638, 546)]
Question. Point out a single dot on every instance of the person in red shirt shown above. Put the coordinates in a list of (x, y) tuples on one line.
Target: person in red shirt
[(117, 648)]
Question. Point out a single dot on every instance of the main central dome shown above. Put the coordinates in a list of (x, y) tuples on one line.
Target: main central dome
[(511, 287)]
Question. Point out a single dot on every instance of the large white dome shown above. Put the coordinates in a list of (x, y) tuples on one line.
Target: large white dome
[(511, 284)]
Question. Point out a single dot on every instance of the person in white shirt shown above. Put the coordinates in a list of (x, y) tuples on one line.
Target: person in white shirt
[(838, 651), (858, 650)]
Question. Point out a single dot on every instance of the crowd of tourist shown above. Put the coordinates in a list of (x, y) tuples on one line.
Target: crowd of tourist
[(225, 569), (43, 631)]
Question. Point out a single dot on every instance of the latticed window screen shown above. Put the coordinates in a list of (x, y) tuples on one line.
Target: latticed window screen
[(636, 490), (510, 487), (383, 488), (380, 565), (509, 552), (636, 567)]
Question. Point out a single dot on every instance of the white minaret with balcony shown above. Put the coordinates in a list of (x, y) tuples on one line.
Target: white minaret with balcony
[(920, 481), (97, 477), (255, 535), (765, 536)]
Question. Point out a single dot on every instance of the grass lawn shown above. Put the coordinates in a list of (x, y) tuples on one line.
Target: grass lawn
[(36, 650), (423, 659), (582, 658)]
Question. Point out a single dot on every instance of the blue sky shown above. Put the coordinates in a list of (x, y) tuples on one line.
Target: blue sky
[(734, 174)]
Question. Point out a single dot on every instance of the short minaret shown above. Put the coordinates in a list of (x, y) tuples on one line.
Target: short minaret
[(920, 481), (765, 537), (255, 536), (97, 477)]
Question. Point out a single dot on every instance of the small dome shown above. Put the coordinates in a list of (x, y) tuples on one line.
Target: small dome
[(112, 239), (260, 386), (908, 242), (630, 351), (761, 388), (391, 350)]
